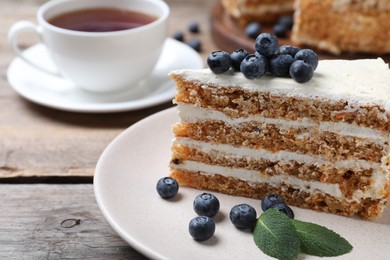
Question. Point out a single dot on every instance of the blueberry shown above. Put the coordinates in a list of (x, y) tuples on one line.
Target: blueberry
[(301, 71), (266, 44), (288, 49), (280, 65), (179, 36), (201, 228), (167, 187), (280, 30), (253, 66), (243, 216), (284, 209), (219, 61), (195, 44), (206, 204), (270, 200), (193, 27), (236, 58), (252, 30), (307, 56), (287, 20)]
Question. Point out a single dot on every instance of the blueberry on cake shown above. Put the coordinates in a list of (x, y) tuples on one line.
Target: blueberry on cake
[(322, 144)]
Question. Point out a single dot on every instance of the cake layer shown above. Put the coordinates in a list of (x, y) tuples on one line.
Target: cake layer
[(343, 26), (331, 146), (333, 95), (367, 208), (268, 165), (264, 11)]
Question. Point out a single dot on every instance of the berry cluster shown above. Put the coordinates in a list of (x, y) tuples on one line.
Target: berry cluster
[(193, 28), (280, 28), (206, 205), (283, 61)]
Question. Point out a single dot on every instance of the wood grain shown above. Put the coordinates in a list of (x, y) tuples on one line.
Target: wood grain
[(56, 222)]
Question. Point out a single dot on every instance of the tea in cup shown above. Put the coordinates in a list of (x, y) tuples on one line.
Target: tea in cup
[(101, 46)]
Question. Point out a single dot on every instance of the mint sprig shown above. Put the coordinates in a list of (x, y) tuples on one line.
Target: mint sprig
[(320, 241), (275, 235), (283, 238)]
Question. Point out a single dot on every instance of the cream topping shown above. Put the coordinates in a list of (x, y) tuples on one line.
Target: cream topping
[(359, 82)]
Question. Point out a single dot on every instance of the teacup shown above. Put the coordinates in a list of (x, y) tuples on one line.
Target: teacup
[(98, 61)]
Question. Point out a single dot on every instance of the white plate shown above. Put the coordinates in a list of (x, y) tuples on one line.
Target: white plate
[(62, 94), (124, 184)]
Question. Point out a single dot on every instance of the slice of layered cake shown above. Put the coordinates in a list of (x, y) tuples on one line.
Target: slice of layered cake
[(343, 26), (322, 145), (263, 11)]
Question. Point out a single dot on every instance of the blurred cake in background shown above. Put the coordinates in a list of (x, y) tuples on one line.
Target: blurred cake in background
[(263, 11), (340, 26)]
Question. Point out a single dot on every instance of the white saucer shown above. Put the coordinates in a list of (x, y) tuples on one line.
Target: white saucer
[(62, 94)]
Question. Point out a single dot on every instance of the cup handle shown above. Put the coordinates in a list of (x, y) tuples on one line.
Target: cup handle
[(13, 34)]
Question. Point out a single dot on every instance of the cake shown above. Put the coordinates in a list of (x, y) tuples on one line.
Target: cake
[(340, 26), (263, 11), (322, 145)]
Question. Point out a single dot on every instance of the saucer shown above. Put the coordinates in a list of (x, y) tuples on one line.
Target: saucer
[(62, 94)]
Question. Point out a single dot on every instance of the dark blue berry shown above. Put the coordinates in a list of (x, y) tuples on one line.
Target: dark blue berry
[(253, 66), (280, 30), (206, 204), (195, 44), (301, 71), (265, 60), (219, 61), (167, 187), (179, 36), (266, 44), (243, 216), (193, 27), (269, 200), (308, 56), (288, 21), (252, 30), (280, 65), (236, 58), (288, 49), (284, 209), (201, 228)]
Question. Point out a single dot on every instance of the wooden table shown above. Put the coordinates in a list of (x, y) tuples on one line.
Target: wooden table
[(47, 157)]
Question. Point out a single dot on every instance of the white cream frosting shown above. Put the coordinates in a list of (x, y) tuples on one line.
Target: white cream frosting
[(364, 81)]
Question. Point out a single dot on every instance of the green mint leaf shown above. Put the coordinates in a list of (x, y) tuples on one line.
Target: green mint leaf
[(320, 241), (275, 235)]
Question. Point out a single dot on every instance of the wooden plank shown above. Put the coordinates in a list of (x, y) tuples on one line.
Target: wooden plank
[(56, 222), (39, 141)]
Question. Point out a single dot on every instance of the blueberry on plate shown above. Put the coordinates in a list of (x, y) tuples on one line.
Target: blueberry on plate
[(287, 20), (167, 187), (236, 58), (195, 44), (269, 200), (219, 61), (252, 30), (308, 56), (178, 36), (201, 228), (253, 66), (266, 44), (193, 27), (301, 71), (206, 204), (280, 30), (288, 49), (284, 209), (243, 216), (280, 65)]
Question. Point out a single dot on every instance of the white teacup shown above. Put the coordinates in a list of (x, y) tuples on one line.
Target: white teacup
[(98, 61)]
